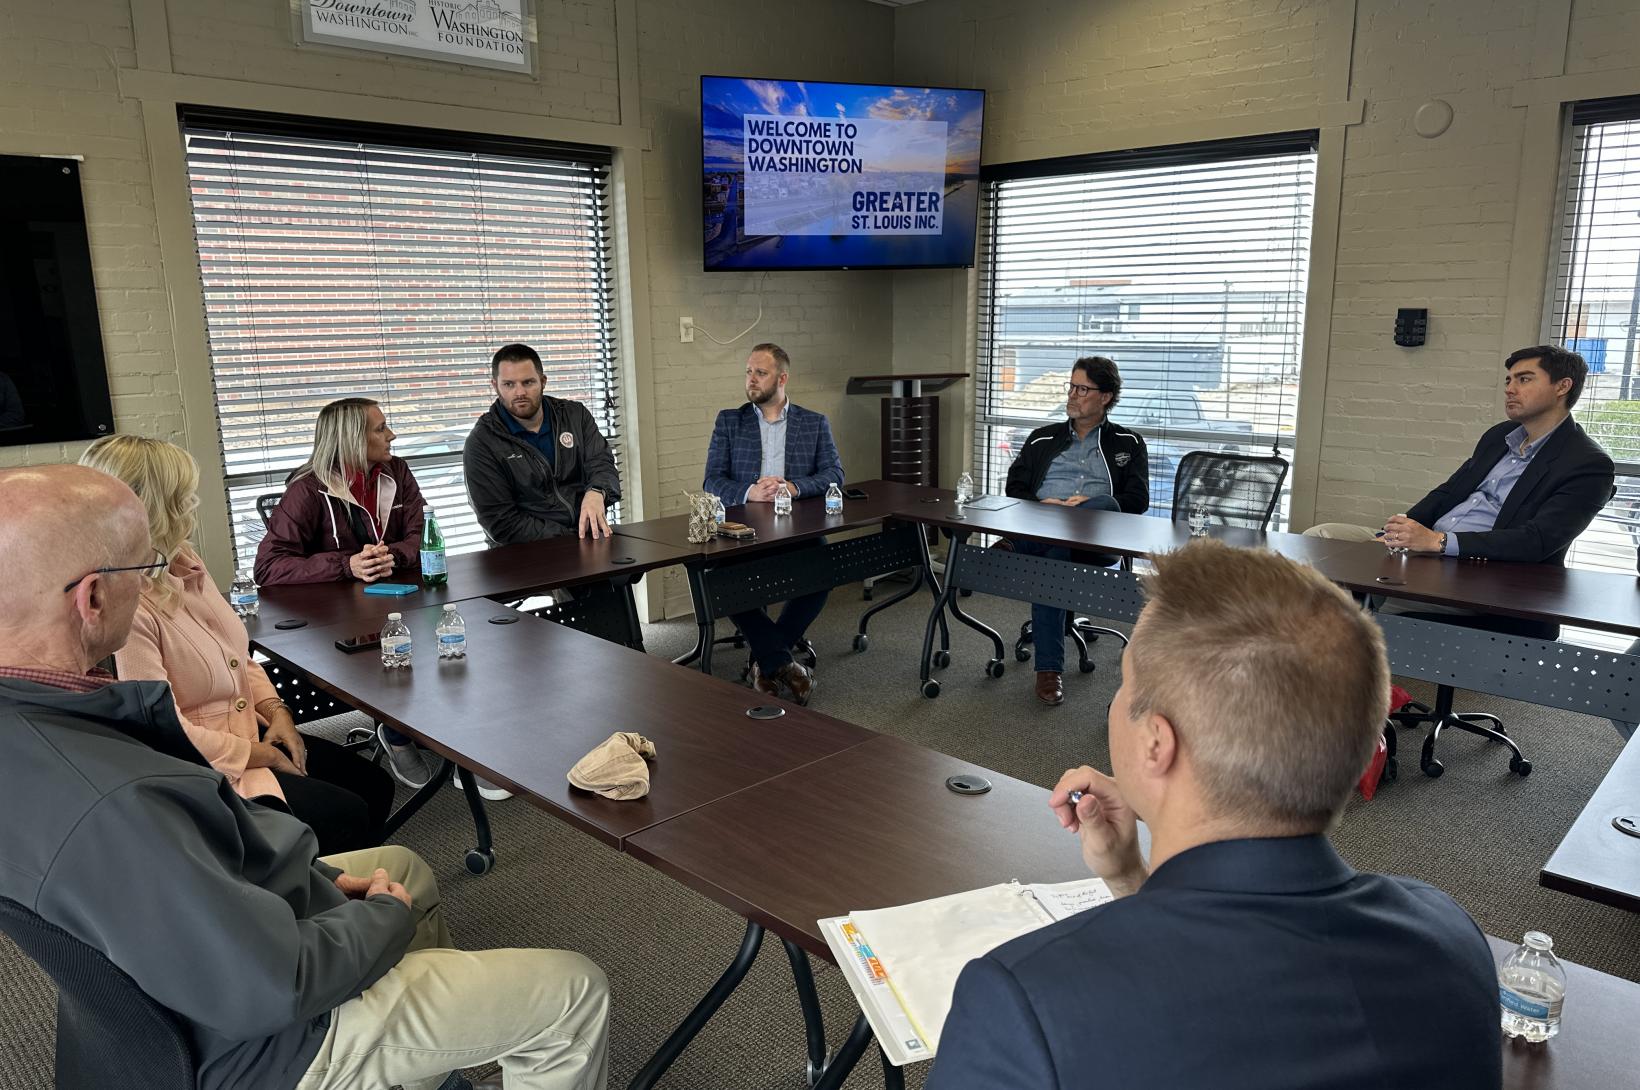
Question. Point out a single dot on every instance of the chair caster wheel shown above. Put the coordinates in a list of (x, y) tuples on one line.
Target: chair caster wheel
[(1520, 766), (942, 659), (1086, 667), (861, 641), (931, 688), (994, 668), (479, 862), (1433, 769), (1390, 770), (1021, 655)]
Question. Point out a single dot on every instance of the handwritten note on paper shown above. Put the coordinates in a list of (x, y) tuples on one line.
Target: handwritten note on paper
[(1064, 899)]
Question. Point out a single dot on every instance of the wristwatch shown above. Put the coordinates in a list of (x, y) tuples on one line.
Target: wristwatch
[(1441, 546)]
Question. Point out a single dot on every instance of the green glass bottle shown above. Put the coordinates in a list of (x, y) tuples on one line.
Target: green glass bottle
[(433, 572)]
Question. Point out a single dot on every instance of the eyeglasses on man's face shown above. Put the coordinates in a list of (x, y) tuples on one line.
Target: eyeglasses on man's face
[(153, 567), (1080, 390)]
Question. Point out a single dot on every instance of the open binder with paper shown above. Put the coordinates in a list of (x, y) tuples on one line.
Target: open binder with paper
[(902, 963)]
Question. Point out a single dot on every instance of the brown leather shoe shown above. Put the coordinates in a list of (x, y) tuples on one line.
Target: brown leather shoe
[(768, 686), (1048, 688), (799, 680)]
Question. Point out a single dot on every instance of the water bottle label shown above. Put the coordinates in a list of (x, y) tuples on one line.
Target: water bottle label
[(400, 648), (245, 598), (1519, 1004), (432, 562), (452, 639)]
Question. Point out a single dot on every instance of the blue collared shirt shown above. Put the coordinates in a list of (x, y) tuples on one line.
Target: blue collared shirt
[(542, 440), (1079, 470), (774, 443), (1479, 512)]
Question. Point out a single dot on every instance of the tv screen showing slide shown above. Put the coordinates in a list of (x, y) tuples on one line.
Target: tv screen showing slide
[(804, 175)]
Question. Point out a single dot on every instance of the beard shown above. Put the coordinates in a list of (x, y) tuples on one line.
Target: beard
[(525, 411), (761, 397)]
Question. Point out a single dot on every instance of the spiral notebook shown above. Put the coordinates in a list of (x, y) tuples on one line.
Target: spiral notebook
[(902, 963)]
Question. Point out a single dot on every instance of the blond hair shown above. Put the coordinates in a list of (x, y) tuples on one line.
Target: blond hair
[(340, 446), (1275, 681), (166, 479)]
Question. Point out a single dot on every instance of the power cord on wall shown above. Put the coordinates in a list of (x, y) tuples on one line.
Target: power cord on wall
[(760, 283)]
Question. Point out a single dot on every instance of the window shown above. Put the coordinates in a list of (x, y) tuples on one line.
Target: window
[(391, 265), (1595, 310), (1186, 265)]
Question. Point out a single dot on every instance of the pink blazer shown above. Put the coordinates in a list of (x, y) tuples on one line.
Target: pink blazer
[(199, 645)]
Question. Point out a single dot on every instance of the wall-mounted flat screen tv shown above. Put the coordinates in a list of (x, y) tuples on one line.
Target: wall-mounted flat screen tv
[(53, 383), (805, 175)]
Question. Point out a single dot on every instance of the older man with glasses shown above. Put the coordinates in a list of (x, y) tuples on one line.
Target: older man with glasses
[(1085, 460), (286, 970)]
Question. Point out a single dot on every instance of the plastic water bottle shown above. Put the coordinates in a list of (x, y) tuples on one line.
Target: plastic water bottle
[(834, 500), (782, 501), (965, 488), (1531, 988), (434, 572), (395, 642), (452, 634), (719, 515), (243, 595)]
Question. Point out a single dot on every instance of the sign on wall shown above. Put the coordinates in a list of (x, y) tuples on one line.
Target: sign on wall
[(490, 33)]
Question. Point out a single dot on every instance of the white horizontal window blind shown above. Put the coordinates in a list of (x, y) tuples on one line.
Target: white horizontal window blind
[(1187, 266), (392, 267), (1595, 310)]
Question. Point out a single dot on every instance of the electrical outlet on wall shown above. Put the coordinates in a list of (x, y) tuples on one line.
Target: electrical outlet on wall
[(686, 330)]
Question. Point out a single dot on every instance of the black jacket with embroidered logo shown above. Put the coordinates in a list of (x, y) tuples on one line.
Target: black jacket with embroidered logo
[(1125, 457), (516, 494)]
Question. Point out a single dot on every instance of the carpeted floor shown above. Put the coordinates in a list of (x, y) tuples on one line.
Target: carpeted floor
[(1479, 833)]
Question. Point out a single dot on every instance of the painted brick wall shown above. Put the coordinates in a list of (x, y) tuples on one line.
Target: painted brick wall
[(58, 96), (834, 324), (1423, 222)]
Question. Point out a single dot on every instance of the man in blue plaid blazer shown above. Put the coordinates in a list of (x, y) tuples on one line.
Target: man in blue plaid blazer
[(766, 446)]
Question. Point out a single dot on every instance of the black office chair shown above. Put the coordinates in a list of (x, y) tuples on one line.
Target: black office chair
[(1231, 489), (265, 504), (109, 1032), (1442, 717)]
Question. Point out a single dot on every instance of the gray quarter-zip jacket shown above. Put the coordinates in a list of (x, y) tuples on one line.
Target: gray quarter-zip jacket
[(117, 831)]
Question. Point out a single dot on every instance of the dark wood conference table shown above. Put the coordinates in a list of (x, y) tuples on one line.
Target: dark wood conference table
[(1536, 592), (1595, 860), (533, 697), (1594, 1048), (728, 576), (510, 570)]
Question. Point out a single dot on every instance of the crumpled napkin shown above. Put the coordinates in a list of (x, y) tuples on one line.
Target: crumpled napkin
[(616, 767)]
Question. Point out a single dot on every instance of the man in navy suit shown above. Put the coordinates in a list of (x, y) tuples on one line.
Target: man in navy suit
[(1534, 483), (1246, 953), (767, 446)]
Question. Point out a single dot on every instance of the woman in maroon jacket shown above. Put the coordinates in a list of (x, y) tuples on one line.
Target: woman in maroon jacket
[(351, 511)]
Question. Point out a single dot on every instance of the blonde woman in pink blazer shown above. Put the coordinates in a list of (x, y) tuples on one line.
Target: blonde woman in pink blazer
[(185, 633)]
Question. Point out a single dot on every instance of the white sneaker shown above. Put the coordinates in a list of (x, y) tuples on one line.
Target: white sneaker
[(408, 764), (486, 789)]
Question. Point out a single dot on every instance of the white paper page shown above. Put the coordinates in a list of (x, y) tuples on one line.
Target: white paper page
[(924, 946), (1063, 899)]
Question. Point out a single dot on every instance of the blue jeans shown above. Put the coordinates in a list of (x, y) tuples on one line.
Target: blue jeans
[(1048, 622)]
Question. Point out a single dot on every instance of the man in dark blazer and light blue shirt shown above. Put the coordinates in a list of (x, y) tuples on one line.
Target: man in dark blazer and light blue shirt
[(1534, 483), (1246, 955), (766, 446)]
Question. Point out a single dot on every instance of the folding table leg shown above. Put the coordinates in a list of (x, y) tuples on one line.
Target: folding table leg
[(425, 792), (696, 1020), (848, 1054), (814, 1026)]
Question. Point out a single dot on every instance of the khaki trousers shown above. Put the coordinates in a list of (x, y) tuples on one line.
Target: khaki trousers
[(543, 1014), (1343, 531)]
